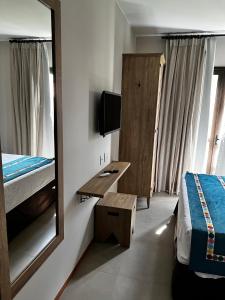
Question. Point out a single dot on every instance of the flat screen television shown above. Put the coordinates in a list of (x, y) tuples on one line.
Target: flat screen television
[(110, 113)]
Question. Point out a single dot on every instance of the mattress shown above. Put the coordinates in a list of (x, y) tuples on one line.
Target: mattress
[(184, 231), (21, 188)]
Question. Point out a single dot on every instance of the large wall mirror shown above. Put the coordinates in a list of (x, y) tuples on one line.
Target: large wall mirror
[(31, 207)]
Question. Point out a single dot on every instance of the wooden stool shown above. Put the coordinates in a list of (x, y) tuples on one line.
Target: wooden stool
[(115, 214)]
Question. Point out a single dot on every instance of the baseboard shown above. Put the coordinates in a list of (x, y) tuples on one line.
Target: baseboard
[(72, 273)]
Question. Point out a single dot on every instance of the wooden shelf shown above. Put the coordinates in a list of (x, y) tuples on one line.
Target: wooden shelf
[(99, 186)]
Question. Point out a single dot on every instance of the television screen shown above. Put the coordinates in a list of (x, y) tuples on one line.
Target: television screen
[(110, 113)]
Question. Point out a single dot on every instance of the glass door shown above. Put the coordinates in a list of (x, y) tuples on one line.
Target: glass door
[(216, 153)]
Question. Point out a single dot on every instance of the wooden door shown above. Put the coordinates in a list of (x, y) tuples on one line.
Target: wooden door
[(140, 91)]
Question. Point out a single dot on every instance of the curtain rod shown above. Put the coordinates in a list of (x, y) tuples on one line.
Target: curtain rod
[(190, 35), (28, 41)]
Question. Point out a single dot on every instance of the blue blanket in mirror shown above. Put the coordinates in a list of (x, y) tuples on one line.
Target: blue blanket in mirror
[(23, 165)]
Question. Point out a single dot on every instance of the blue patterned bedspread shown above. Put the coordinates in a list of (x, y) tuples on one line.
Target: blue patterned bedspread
[(23, 165), (206, 195)]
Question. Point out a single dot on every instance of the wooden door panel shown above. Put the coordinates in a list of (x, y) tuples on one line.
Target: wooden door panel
[(134, 182), (140, 90)]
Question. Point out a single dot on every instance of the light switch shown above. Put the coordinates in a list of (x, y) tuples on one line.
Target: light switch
[(101, 159)]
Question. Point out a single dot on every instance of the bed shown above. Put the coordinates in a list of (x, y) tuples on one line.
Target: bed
[(200, 229), (29, 189), (23, 187)]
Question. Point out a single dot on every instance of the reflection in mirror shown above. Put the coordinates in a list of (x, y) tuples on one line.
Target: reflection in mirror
[(27, 129)]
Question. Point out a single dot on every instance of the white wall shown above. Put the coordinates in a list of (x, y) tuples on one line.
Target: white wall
[(89, 52), (150, 45), (6, 111), (124, 43), (157, 44), (220, 52)]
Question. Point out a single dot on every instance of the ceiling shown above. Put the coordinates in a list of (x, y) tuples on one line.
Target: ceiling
[(24, 18), (163, 16), (30, 18)]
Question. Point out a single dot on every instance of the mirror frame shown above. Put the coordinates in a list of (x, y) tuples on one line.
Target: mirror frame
[(5, 291), (10, 289)]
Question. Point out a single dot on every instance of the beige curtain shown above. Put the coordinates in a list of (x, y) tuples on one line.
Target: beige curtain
[(180, 110), (31, 98)]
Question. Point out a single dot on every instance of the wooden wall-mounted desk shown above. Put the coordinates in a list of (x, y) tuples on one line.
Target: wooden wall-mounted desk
[(99, 186), (116, 211)]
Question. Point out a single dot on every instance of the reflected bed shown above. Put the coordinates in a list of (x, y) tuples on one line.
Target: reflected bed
[(28, 195), (26, 185)]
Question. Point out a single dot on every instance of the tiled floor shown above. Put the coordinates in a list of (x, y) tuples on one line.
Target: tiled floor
[(143, 272)]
